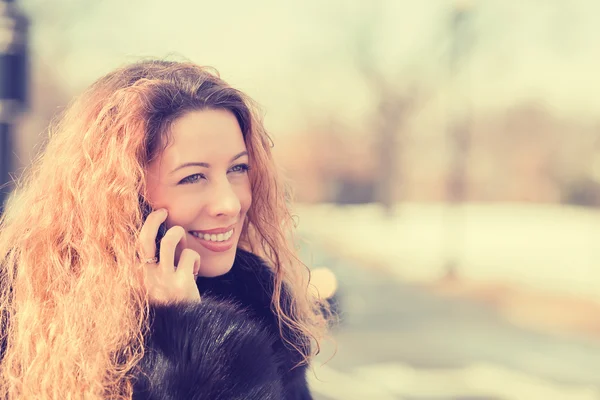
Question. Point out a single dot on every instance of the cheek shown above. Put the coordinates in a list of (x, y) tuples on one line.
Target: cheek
[(184, 211), (245, 197)]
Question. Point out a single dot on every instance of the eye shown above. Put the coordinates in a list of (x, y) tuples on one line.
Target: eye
[(240, 168), (192, 179)]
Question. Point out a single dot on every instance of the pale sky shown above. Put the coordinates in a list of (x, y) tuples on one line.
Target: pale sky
[(295, 57)]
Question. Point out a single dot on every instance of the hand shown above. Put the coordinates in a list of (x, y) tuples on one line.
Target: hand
[(164, 282)]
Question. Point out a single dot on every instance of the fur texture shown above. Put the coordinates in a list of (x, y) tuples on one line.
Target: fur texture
[(226, 347)]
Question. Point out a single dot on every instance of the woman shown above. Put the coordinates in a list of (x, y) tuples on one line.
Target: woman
[(93, 309)]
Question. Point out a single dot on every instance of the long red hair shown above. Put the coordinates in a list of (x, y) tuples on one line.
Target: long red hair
[(73, 310)]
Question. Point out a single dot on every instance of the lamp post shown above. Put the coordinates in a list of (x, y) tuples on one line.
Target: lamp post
[(13, 85), (458, 137)]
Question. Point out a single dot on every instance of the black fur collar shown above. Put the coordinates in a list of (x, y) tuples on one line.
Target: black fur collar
[(228, 346), (250, 284)]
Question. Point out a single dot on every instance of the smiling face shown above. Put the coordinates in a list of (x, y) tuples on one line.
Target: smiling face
[(201, 179)]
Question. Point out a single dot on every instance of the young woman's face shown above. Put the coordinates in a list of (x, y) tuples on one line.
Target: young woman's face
[(201, 179)]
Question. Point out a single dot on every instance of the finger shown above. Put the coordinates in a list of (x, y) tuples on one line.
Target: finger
[(179, 249), (168, 244), (189, 262), (150, 230)]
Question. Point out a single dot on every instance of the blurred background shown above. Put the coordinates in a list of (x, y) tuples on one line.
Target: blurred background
[(445, 157)]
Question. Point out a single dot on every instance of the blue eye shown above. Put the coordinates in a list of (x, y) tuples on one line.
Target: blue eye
[(192, 179), (240, 168)]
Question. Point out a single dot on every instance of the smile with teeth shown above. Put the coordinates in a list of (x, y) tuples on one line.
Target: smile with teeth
[(220, 237)]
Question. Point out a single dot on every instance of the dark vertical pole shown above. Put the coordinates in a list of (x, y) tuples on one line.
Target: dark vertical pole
[(13, 85), (5, 161)]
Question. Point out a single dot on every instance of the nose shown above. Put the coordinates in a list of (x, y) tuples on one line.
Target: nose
[(223, 200)]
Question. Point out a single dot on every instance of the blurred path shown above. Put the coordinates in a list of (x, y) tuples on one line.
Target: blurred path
[(398, 341)]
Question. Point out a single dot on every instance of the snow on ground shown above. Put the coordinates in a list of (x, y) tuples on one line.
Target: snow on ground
[(544, 247)]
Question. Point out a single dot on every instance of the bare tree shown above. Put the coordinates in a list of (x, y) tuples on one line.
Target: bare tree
[(393, 102)]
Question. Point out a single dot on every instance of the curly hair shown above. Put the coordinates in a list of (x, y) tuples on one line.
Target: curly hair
[(73, 307)]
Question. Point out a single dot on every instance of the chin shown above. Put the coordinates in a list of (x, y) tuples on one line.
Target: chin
[(216, 264)]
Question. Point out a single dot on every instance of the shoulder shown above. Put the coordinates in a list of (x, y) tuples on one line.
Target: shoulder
[(194, 350), (257, 281)]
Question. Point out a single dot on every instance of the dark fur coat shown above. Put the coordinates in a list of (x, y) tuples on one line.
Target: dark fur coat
[(226, 347)]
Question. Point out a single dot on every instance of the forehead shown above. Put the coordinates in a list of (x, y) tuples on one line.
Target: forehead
[(204, 136)]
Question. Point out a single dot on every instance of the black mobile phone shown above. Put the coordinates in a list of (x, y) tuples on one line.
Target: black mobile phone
[(162, 229)]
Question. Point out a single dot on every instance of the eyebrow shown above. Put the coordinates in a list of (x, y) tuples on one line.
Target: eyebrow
[(206, 165)]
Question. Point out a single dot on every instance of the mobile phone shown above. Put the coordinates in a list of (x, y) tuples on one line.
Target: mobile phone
[(162, 229)]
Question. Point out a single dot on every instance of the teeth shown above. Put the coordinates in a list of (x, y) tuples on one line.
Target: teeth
[(221, 237)]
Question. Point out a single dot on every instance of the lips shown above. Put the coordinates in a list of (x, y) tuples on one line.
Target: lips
[(215, 231), (215, 242), (213, 237)]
